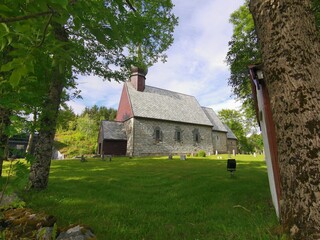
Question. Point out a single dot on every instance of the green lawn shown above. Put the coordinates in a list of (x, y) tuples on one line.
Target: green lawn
[(157, 198)]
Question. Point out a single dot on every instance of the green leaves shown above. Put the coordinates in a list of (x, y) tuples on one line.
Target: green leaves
[(62, 3), (5, 39), (4, 30), (243, 51), (19, 68)]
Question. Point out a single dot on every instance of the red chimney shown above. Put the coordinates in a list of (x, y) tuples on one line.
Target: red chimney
[(138, 78)]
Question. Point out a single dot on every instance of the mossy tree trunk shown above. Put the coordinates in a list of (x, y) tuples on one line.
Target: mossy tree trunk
[(4, 137), (291, 62), (39, 171)]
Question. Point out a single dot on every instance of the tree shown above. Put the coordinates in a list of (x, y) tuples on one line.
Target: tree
[(99, 114), (238, 125), (65, 116), (105, 40), (256, 142), (243, 51), (290, 50), (87, 126)]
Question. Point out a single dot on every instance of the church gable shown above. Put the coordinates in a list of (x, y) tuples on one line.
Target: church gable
[(124, 109)]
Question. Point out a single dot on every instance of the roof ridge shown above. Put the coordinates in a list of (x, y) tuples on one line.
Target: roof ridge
[(163, 104), (171, 91)]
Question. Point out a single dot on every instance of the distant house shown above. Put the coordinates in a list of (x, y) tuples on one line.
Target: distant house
[(154, 121), (17, 145)]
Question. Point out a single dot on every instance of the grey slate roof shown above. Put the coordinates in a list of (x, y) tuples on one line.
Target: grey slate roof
[(230, 134), (113, 130), (216, 122), (163, 104)]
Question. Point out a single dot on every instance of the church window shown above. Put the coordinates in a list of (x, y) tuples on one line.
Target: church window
[(196, 135), (157, 135), (178, 135)]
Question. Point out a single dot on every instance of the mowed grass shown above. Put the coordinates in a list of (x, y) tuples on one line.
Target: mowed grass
[(157, 198)]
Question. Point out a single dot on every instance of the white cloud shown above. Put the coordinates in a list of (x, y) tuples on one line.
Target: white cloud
[(77, 106), (228, 104), (95, 91), (195, 65)]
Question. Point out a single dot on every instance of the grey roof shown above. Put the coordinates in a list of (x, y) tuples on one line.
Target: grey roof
[(214, 119), (163, 104), (113, 130), (230, 134)]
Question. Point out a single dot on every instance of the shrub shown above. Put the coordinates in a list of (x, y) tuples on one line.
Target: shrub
[(201, 153)]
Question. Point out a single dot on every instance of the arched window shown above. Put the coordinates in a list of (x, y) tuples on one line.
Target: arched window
[(157, 134), (178, 135), (196, 135)]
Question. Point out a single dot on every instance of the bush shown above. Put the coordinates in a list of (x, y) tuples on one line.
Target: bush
[(201, 153)]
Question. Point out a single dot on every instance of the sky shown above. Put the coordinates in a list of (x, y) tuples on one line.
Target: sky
[(195, 64)]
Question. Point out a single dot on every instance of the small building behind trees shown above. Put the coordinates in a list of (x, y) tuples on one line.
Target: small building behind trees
[(112, 139)]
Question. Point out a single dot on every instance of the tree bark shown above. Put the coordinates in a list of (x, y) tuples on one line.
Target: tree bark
[(30, 147), (40, 169), (291, 58), (4, 138)]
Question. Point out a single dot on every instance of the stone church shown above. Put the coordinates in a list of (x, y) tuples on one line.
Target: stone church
[(154, 121)]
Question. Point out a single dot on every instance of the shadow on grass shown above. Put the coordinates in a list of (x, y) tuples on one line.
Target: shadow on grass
[(160, 198)]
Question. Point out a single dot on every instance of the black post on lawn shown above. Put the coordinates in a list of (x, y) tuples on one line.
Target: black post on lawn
[(231, 166)]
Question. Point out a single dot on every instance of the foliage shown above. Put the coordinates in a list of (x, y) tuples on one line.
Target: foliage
[(241, 127), (78, 134), (66, 117), (244, 50), (97, 114), (17, 178), (255, 140), (201, 153), (46, 43), (74, 143), (99, 36), (87, 126), (194, 199)]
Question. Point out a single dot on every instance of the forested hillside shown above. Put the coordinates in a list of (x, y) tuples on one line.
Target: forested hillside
[(77, 134)]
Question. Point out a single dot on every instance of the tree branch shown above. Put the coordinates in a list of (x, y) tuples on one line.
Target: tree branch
[(45, 30), (21, 18), (130, 5)]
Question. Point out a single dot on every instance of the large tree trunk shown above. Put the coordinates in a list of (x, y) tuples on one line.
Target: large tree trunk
[(39, 171), (291, 62)]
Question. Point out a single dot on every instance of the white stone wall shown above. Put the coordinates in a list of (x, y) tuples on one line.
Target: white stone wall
[(232, 145), (219, 141), (129, 131), (144, 142)]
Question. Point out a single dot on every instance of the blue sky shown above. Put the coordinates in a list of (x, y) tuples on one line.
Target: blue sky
[(196, 60)]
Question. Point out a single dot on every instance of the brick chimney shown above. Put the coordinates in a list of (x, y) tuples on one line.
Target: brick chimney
[(138, 78)]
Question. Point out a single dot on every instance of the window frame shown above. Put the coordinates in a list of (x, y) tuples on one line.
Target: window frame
[(196, 135), (178, 134), (157, 134)]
